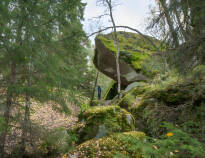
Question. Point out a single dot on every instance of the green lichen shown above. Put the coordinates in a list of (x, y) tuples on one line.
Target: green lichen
[(116, 145), (134, 49), (112, 118)]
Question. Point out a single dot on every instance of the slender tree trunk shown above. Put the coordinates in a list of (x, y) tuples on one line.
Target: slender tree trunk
[(185, 35), (9, 102), (109, 2), (93, 94), (25, 124), (27, 111)]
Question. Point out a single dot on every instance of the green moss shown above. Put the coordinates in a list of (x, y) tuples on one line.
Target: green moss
[(132, 98), (199, 72), (134, 49), (127, 101), (111, 91), (108, 43), (178, 104), (116, 145), (104, 120)]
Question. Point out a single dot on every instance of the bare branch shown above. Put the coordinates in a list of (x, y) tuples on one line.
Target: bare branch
[(127, 27)]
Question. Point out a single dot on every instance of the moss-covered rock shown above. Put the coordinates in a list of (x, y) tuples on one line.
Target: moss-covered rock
[(199, 72), (133, 96), (181, 104), (134, 49), (103, 120), (116, 145), (111, 91)]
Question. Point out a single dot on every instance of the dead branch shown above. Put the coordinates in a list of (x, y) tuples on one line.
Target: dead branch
[(127, 27)]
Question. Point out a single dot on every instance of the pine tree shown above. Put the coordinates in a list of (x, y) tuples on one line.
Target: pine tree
[(41, 54)]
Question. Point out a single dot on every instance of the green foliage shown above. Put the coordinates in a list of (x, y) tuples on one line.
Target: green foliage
[(114, 145), (48, 57), (2, 124), (84, 107), (187, 44), (42, 58), (176, 143), (58, 141)]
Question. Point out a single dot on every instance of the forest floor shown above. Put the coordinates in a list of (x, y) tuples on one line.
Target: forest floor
[(44, 119)]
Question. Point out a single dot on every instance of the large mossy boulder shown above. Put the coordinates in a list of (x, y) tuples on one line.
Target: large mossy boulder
[(180, 104), (116, 145), (103, 120), (134, 49)]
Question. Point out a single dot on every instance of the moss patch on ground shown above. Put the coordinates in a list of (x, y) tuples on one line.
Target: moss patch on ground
[(116, 145), (104, 120)]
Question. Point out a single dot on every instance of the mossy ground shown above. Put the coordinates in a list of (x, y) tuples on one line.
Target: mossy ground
[(112, 118), (112, 146)]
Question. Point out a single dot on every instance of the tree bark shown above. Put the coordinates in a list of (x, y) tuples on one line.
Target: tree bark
[(9, 102), (25, 124), (109, 2), (93, 94), (27, 113), (169, 22)]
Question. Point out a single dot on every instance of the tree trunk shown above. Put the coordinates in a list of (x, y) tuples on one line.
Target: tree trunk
[(93, 94), (109, 2), (9, 102), (27, 110), (25, 124), (169, 22)]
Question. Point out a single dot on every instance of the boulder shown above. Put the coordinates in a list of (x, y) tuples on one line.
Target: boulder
[(132, 95), (116, 145), (103, 120), (181, 104), (134, 49)]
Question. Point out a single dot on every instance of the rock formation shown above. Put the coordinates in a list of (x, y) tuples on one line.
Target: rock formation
[(134, 49)]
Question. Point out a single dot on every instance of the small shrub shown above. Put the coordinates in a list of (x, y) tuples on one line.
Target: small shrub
[(58, 141)]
